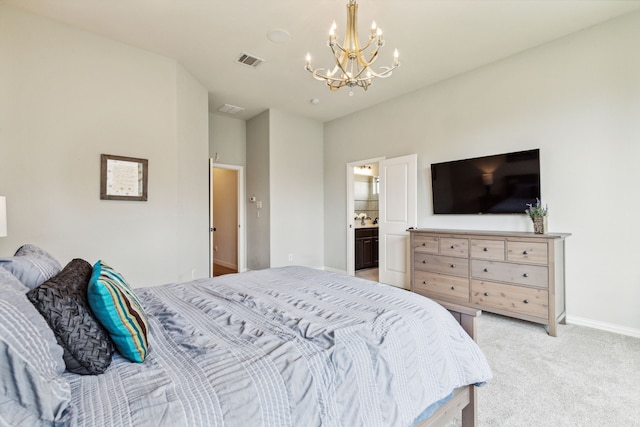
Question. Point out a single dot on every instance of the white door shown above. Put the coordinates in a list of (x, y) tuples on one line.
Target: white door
[(398, 212)]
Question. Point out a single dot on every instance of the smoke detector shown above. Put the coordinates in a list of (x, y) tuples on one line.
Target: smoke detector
[(279, 36)]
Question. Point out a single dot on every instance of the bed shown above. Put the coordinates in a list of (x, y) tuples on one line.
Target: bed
[(290, 346)]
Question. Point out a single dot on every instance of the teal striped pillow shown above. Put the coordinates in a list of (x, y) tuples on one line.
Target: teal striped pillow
[(119, 310)]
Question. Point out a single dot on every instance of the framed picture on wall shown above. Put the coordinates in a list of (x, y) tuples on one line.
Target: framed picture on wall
[(123, 178)]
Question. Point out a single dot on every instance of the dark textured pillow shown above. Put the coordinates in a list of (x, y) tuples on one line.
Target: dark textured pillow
[(31, 265), (62, 301)]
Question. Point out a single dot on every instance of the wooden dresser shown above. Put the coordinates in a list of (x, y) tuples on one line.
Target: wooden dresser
[(515, 274)]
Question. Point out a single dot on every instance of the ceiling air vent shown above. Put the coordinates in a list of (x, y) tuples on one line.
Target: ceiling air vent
[(249, 60), (230, 109)]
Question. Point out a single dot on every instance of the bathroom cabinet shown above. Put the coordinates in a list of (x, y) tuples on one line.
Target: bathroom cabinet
[(366, 247)]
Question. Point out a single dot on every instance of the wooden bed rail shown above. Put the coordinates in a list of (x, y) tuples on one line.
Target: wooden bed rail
[(465, 316), (463, 398)]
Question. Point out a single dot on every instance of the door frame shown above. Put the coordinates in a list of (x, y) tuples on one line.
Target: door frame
[(351, 233), (241, 220)]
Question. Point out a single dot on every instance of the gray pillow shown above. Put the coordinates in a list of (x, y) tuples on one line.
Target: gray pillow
[(31, 265), (33, 391), (62, 301), (9, 282)]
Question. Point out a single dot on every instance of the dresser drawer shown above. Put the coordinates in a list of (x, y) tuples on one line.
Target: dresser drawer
[(439, 285), (535, 253), (533, 302), (487, 249), (425, 244), (441, 264), (454, 247), (523, 274)]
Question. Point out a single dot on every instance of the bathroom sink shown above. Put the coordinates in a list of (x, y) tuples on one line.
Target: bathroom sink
[(367, 224)]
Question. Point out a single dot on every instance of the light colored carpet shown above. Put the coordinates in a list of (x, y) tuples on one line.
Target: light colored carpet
[(584, 377)]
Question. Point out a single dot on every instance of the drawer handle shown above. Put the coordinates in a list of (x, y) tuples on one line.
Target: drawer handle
[(525, 275), (486, 270), (424, 244), (526, 301), (424, 261), (486, 294), (525, 253), (453, 289), (486, 249), (453, 266), (424, 282), (452, 247)]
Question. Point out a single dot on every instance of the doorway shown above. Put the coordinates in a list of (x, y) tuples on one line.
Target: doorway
[(362, 201), (397, 212), (226, 230)]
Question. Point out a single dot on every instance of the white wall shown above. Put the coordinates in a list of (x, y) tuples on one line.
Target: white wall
[(284, 172), (66, 97), (227, 138), (258, 185), (296, 186), (578, 100), (192, 154)]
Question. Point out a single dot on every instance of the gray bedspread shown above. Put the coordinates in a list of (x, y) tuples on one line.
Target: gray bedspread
[(288, 346)]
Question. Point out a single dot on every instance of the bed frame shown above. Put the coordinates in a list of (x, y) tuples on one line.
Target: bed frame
[(464, 398)]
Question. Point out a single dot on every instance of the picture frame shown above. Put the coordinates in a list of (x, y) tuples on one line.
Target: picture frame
[(123, 178)]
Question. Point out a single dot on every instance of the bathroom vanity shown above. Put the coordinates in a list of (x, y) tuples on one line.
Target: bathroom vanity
[(366, 247)]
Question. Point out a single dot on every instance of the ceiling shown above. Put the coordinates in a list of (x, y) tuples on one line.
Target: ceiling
[(437, 39)]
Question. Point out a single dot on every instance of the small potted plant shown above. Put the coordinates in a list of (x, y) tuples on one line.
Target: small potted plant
[(538, 214)]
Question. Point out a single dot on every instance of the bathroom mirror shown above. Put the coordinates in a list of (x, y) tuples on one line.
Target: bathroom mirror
[(365, 195)]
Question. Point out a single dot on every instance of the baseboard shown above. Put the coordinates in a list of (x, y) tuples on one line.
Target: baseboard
[(334, 270), (225, 264), (604, 326)]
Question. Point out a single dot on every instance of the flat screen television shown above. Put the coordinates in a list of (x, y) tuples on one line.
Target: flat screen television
[(498, 184)]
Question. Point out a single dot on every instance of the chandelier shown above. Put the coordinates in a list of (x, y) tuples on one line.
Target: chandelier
[(353, 62)]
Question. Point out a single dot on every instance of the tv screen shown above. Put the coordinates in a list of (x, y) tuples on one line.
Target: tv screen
[(498, 184)]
